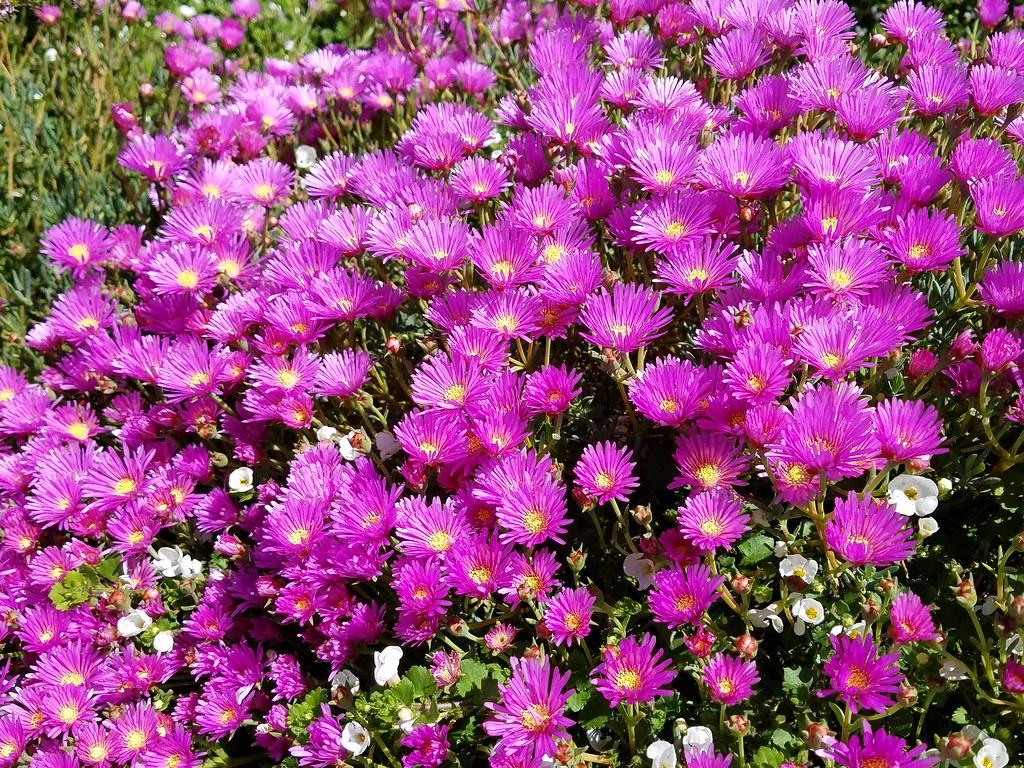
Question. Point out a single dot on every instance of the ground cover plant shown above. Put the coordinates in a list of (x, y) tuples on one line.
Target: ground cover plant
[(522, 384)]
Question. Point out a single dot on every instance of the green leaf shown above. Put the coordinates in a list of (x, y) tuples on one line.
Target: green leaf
[(302, 712), (70, 591), (580, 698), (473, 676), (422, 681), (109, 568), (791, 682), (755, 549), (767, 757), (959, 716)]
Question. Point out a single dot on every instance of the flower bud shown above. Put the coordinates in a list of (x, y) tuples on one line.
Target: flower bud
[(922, 362), (870, 609), (907, 695), (746, 645), (393, 345), (955, 747), (817, 735), (747, 214), (965, 593), (642, 515), (740, 583), (1017, 606), (739, 725), (879, 40), (577, 559), (146, 90)]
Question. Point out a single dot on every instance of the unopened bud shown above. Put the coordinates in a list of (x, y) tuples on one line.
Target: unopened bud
[(955, 747), (965, 593), (817, 735), (642, 515), (393, 345), (747, 214), (740, 583), (907, 695), (739, 725), (870, 609), (746, 645)]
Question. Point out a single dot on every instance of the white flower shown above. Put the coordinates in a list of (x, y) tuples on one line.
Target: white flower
[(406, 720), (186, 11), (163, 642), (992, 754), (355, 738), (953, 670), (926, 526), (988, 607), (387, 446), (240, 480), (134, 623), (913, 495), (662, 755), (346, 678), (640, 568), (385, 664), (799, 566), (348, 451), (781, 549), (807, 611), (326, 435), (305, 156), (945, 485), (50, 55), (853, 630), (765, 617), (171, 562), (698, 738)]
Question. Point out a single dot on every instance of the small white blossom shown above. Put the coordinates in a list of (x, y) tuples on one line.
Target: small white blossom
[(781, 549), (953, 670), (662, 755), (945, 485), (988, 607), (799, 566), (406, 720), (913, 495), (640, 568), (240, 480), (992, 754), (186, 11), (326, 435), (926, 526), (853, 630), (134, 623), (765, 617), (163, 642), (348, 451), (305, 156), (346, 678), (385, 664), (355, 738), (50, 55), (171, 562), (698, 738), (807, 610), (387, 445)]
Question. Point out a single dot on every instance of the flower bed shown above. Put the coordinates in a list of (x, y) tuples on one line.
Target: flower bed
[(617, 384)]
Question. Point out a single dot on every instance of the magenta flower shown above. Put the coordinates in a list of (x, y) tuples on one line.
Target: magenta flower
[(605, 472), (681, 595), (625, 318), (859, 676), (908, 430), (911, 620), (729, 679), (865, 531), (530, 712), (567, 615), (713, 520), (879, 748), (633, 672)]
